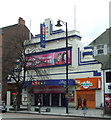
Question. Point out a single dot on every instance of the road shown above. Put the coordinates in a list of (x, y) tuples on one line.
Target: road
[(17, 116)]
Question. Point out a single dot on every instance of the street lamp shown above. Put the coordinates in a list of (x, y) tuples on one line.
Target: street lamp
[(59, 25)]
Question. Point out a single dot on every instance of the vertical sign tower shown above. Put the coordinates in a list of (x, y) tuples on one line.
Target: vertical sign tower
[(42, 32)]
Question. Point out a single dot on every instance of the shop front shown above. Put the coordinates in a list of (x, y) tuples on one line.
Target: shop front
[(52, 93), (87, 88)]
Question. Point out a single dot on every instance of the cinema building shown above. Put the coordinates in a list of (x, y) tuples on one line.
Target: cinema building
[(84, 72)]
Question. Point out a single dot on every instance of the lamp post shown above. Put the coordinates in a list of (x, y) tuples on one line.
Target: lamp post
[(59, 25)]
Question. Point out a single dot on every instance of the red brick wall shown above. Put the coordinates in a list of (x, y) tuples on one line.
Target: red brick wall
[(10, 39)]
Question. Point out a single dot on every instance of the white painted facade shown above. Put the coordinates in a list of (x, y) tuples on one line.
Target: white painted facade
[(82, 65)]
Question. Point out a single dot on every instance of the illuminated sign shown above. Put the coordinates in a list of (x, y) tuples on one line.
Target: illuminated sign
[(42, 32), (38, 83)]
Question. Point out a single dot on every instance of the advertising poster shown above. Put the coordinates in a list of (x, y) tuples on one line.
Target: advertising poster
[(48, 59), (24, 97), (71, 96), (108, 103)]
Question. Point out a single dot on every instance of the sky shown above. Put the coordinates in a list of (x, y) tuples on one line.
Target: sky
[(92, 16)]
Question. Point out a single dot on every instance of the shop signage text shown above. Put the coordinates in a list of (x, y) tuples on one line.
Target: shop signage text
[(49, 89), (55, 82), (86, 84)]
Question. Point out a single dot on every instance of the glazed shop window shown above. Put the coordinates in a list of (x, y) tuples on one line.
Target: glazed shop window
[(108, 77)]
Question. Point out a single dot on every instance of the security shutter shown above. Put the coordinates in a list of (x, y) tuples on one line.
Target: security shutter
[(90, 97)]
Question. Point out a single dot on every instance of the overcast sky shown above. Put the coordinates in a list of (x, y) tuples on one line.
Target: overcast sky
[(92, 16)]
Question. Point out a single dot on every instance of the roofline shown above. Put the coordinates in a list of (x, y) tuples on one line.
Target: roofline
[(4, 29)]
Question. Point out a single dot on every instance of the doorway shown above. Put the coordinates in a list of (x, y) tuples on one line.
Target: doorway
[(46, 99), (55, 99)]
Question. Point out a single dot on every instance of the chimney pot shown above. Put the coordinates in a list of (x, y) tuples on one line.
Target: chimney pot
[(21, 21)]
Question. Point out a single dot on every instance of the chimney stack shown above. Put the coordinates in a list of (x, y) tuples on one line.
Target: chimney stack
[(21, 21)]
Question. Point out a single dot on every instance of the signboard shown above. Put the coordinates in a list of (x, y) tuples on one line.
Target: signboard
[(70, 96), (88, 83), (42, 32), (49, 89), (38, 83), (109, 87), (54, 58), (54, 82)]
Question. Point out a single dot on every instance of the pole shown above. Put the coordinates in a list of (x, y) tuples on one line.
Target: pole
[(66, 69), (59, 25), (74, 17), (30, 31)]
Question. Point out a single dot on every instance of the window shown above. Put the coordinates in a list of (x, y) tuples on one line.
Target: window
[(109, 48), (100, 50), (108, 77)]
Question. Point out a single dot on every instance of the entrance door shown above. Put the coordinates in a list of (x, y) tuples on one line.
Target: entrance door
[(37, 96), (55, 99), (63, 100), (46, 99)]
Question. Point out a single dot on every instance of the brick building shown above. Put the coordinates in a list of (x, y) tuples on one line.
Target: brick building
[(10, 36)]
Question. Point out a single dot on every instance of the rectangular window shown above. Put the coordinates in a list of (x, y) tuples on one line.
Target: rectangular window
[(100, 49), (109, 48), (108, 77)]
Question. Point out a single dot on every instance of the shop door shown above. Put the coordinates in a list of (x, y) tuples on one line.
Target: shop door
[(46, 99), (90, 97), (37, 96), (55, 99), (63, 100)]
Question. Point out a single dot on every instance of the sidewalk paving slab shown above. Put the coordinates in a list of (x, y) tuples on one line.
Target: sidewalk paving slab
[(61, 111)]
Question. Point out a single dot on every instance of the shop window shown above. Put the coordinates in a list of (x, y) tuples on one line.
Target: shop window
[(108, 77)]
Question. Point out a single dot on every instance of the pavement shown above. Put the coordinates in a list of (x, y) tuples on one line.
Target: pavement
[(61, 111)]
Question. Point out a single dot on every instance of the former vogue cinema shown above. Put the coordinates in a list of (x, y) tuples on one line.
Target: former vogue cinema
[(84, 73)]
